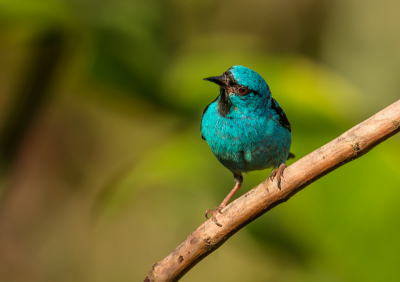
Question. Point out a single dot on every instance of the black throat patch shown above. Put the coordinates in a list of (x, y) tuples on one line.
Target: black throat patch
[(224, 103)]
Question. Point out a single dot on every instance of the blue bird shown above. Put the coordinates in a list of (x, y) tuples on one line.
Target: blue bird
[(245, 128)]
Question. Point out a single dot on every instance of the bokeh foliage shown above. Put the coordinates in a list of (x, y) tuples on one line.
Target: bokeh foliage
[(103, 168)]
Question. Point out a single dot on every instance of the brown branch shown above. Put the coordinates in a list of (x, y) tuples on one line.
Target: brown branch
[(208, 237)]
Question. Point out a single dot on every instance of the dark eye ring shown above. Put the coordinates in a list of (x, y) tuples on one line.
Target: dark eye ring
[(243, 90)]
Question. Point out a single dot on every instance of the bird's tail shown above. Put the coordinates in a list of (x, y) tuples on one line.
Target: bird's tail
[(291, 156)]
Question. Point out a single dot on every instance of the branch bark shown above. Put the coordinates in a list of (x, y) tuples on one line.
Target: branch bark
[(208, 237)]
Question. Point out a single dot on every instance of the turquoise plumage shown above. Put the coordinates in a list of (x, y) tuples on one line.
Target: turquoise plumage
[(245, 127)]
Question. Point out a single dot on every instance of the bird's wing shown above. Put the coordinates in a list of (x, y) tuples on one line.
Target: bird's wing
[(202, 137), (282, 118)]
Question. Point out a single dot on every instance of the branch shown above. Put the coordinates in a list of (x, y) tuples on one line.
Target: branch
[(208, 237)]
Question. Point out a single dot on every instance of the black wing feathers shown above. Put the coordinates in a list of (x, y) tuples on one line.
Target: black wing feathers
[(283, 120)]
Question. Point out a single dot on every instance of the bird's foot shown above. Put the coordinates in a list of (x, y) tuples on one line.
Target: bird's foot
[(279, 174), (214, 215)]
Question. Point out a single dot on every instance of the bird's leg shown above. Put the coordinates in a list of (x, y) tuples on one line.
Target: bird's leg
[(278, 173), (238, 180)]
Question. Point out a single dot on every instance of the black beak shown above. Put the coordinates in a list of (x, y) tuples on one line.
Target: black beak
[(220, 80)]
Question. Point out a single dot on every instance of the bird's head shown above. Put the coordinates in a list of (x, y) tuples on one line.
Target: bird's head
[(242, 88)]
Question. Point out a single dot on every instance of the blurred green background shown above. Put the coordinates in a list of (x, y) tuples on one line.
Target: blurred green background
[(103, 171)]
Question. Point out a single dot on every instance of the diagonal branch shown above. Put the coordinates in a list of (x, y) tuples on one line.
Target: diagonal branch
[(208, 237)]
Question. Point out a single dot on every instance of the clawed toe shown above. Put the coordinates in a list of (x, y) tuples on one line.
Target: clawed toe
[(215, 221), (273, 174), (219, 209), (207, 212), (279, 175), (214, 215)]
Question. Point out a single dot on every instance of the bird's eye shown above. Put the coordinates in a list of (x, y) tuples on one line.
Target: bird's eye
[(243, 90)]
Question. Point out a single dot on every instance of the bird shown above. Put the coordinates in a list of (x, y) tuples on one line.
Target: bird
[(245, 128)]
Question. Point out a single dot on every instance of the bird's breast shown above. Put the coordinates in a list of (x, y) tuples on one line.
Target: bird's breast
[(244, 143)]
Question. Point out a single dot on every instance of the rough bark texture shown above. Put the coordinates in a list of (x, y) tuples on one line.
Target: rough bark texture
[(208, 237)]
